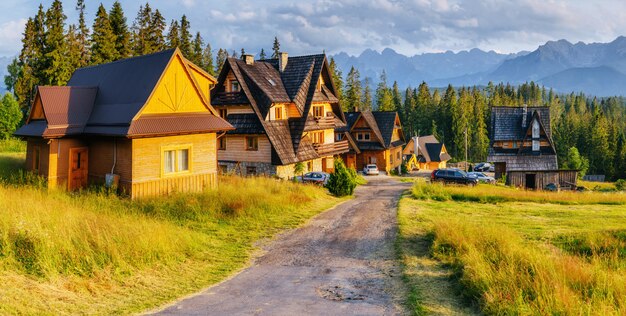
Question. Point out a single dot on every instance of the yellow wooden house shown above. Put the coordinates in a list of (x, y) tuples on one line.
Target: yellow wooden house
[(145, 124), (425, 153)]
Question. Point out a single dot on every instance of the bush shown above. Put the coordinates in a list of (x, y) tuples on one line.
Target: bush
[(620, 184), (342, 181)]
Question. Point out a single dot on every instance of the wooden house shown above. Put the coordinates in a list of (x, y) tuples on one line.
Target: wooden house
[(426, 153), (284, 112), (522, 148), (144, 122), (374, 138)]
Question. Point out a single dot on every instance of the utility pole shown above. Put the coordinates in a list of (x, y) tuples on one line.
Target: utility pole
[(465, 148)]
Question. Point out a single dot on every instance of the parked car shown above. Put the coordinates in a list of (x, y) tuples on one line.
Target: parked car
[(482, 167), (316, 177), (452, 176), (483, 178), (370, 169)]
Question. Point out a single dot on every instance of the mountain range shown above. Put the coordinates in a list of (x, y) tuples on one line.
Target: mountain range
[(597, 68)]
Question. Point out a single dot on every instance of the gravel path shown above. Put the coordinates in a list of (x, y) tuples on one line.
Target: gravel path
[(341, 263)]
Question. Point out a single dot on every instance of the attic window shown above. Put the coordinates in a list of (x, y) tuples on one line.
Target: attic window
[(234, 86), (271, 81)]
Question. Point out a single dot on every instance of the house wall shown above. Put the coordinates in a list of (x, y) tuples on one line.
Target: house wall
[(147, 165), (101, 159), (565, 178), (267, 169), (204, 83), (59, 161), (44, 155), (236, 150)]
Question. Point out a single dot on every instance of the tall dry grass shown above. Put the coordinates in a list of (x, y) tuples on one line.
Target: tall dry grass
[(507, 275)]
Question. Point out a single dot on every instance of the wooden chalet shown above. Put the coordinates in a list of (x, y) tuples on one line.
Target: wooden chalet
[(145, 123), (284, 112), (426, 153), (521, 147), (374, 138)]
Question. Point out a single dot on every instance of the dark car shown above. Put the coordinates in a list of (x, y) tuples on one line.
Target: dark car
[(316, 177), (483, 167), (452, 176)]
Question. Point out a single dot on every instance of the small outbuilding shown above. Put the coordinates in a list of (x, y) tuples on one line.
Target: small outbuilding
[(426, 153)]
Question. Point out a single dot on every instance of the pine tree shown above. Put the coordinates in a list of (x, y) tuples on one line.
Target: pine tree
[(423, 103), (173, 36), (243, 52), (57, 69), (196, 53), (25, 82), (156, 31), (140, 39), (102, 39), (275, 48), (396, 97), (406, 113), (336, 76), (353, 97), (82, 36), (262, 55), (185, 37), (74, 47), (384, 99), (480, 136), (367, 96), (234, 54), (220, 59), (207, 60), (120, 30), (449, 104), (14, 72)]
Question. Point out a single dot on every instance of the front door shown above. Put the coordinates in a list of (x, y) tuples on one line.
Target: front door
[(78, 170)]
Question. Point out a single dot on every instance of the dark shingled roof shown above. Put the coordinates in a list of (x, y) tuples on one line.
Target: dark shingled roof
[(382, 124), (104, 99), (507, 122), (264, 85), (245, 124)]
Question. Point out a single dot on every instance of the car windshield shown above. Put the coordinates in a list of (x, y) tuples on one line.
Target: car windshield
[(463, 173)]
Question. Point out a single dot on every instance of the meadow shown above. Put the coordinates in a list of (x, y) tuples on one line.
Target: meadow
[(498, 250), (97, 253)]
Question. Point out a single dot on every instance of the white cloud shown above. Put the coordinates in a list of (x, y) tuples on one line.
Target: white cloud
[(11, 36)]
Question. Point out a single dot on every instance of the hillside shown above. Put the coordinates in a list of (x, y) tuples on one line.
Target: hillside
[(556, 64)]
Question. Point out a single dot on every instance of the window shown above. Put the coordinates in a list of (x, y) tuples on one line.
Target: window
[(234, 86), (317, 137), (223, 113), (278, 112), (250, 171), (363, 136), (398, 155), (318, 110), (252, 143), (36, 158), (338, 137), (309, 165), (221, 143), (176, 159)]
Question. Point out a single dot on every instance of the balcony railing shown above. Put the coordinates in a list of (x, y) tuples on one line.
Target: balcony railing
[(335, 148), (229, 97)]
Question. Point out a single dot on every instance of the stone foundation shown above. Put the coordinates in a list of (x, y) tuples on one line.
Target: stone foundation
[(245, 168)]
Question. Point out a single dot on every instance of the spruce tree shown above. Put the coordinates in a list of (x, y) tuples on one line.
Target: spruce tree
[(57, 69), (207, 60), (156, 30), (120, 30), (38, 62), (82, 35), (102, 39), (262, 55), (140, 40), (197, 48), (366, 102), (353, 91), (173, 36), (220, 59), (185, 37), (74, 47), (275, 48), (25, 82), (243, 52), (336, 75), (384, 99), (479, 137), (396, 97)]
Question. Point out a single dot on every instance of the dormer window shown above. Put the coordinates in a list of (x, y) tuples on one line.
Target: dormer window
[(318, 111), (536, 143), (234, 86), (278, 112), (363, 136)]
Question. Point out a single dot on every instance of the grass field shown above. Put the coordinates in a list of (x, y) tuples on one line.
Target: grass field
[(505, 251), (93, 253)]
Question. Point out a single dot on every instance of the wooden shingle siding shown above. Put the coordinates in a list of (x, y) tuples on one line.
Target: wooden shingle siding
[(101, 159), (44, 151), (189, 183), (236, 149)]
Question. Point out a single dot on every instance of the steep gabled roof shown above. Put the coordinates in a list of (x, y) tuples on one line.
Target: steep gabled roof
[(507, 122), (386, 124), (382, 124)]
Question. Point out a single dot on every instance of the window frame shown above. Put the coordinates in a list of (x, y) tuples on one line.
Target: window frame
[(316, 108), (234, 83), (318, 134), (221, 143), (223, 113), (361, 136), (253, 148), (36, 162), (278, 113), (177, 149)]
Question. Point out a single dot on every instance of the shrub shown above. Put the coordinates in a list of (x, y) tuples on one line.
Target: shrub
[(342, 181), (620, 184)]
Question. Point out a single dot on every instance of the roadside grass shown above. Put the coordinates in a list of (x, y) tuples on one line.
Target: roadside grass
[(523, 253), (12, 145), (597, 186), (95, 253)]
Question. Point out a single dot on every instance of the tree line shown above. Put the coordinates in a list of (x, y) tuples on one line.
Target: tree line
[(51, 51), (589, 132)]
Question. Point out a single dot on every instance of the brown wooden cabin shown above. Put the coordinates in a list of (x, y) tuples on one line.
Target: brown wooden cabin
[(284, 112), (426, 153), (374, 138), (145, 121), (521, 147)]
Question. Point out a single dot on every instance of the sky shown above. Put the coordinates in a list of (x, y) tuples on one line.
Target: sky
[(410, 27)]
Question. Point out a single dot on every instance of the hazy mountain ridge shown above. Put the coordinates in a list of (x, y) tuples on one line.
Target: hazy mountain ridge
[(595, 68)]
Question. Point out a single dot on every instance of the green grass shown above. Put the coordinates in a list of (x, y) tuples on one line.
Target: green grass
[(508, 254), (12, 145), (93, 253)]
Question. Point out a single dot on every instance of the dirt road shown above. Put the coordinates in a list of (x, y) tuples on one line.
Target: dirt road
[(341, 263)]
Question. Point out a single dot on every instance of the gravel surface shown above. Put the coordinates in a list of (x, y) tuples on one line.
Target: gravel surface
[(342, 262)]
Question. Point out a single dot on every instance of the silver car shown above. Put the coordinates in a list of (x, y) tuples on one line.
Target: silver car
[(370, 169), (481, 177)]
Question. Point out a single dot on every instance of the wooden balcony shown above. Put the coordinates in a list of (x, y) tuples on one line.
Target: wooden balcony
[(329, 149), (325, 122), (229, 98)]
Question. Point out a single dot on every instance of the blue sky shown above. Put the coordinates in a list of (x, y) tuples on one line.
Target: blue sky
[(410, 27)]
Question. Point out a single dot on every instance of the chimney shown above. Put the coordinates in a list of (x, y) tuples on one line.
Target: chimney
[(282, 61), (524, 114), (249, 59), (416, 145)]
